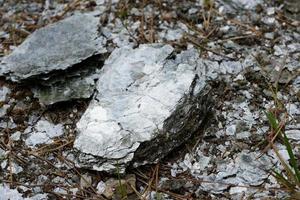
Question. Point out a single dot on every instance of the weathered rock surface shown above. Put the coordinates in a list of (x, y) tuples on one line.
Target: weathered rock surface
[(55, 47), (60, 58), (147, 105)]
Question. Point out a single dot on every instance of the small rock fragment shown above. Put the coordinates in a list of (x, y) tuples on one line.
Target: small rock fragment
[(4, 91), (7, 193), (16, 136), (101, 187), (15, 168), (43, 132), (3, 110), (293, 134)]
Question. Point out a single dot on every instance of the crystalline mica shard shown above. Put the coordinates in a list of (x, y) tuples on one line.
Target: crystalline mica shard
[(147, 105)]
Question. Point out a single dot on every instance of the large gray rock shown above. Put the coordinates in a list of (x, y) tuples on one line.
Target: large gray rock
[(61, 57), (148, 104), (54, 47)]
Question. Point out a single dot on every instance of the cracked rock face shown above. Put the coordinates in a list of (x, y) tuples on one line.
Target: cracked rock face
[(55, 47), (148, 104)]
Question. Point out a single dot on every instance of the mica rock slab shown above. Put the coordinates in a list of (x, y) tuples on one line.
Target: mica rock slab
[(55, 47), (148, 103)]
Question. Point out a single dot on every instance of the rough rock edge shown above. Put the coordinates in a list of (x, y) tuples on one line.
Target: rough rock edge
[(188, 118)]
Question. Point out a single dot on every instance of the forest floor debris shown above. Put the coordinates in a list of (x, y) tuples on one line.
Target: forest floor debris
[(230, 161)]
